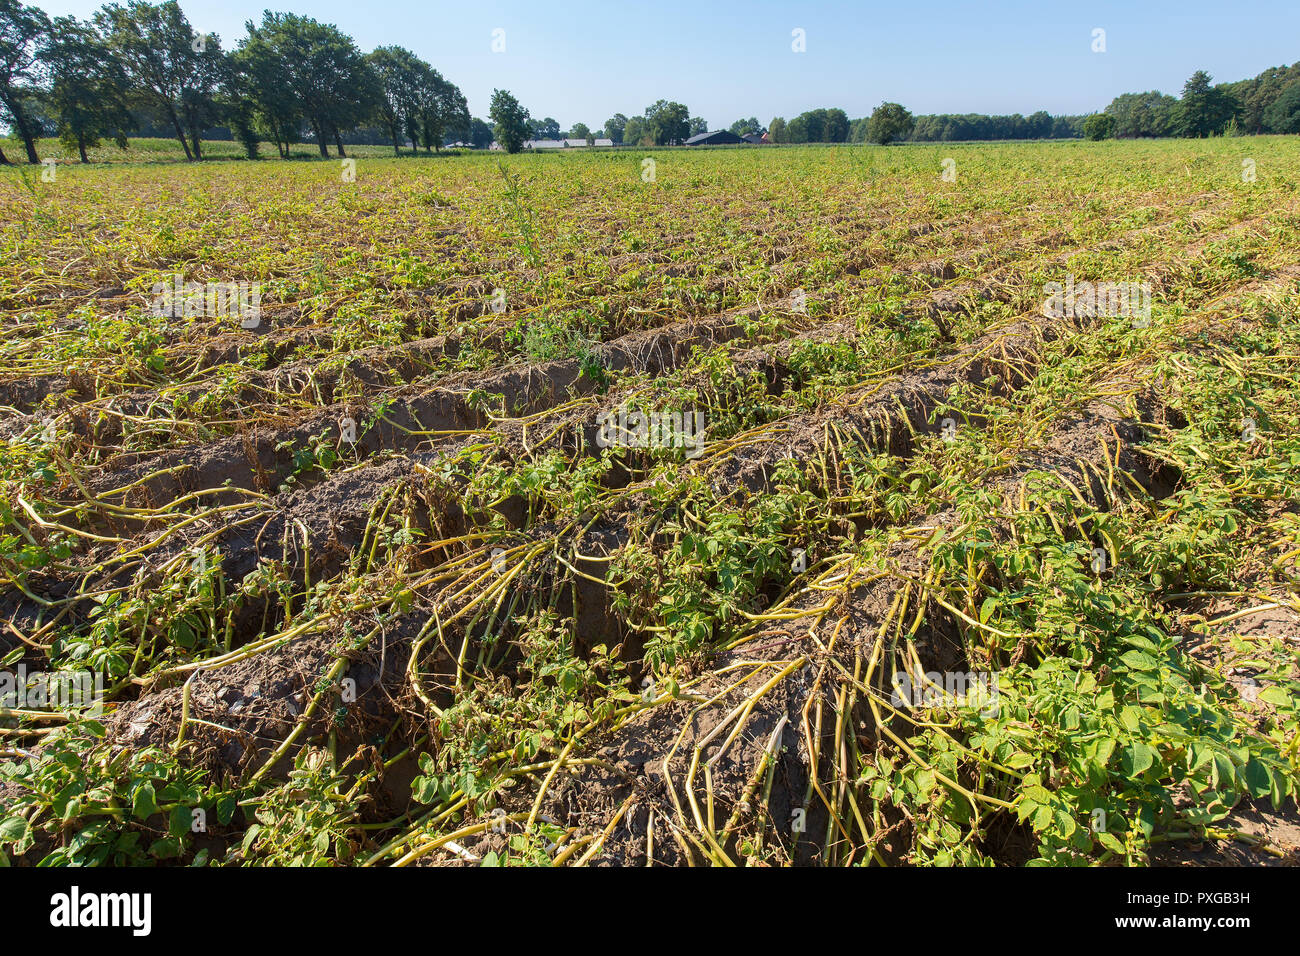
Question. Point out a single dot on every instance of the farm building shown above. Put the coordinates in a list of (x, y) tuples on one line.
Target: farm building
[(719, 137), (563, 143)]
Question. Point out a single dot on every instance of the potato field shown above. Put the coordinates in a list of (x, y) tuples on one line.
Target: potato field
[(833, 506)]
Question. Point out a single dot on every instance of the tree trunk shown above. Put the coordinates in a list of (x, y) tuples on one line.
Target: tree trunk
[(4, 160), (29, 144), (196, 137), (81, 147), (180, 133), (24, 130), (320, 140), (338, 141)]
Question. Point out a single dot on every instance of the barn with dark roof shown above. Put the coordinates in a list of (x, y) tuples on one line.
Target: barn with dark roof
[(719, 137)]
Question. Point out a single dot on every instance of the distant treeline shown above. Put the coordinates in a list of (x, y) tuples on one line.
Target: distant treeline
[(142, 68), (945, 127), (833, 126), (1267, 103)]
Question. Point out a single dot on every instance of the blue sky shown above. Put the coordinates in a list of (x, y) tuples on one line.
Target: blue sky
[(584, 61)]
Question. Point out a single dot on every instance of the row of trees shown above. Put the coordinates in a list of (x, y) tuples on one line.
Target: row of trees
[(664, 123), (814, 126), (1268, 103), (979, 126), (289, 78), (891, 122)]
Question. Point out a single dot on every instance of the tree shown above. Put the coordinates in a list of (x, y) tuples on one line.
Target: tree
[(260, 83), (817, 126), (1257, 94), (696, 125), (615, 127), (1142, 114), (166, 62), (328, 80), (807, 127), (581, 131), (1099, 126), (776, 132), (547, 128), (743, 127), (1038, 125), (667, 123), (480, 134), (634, 131), (1283, 114), (442, 107), (1204, 110), (835, 127), (24, 32), (510, 121), (1067, 127), (241, 114), (815, 121), (398, 72), (88, 91), (889, 122), (199, 105)]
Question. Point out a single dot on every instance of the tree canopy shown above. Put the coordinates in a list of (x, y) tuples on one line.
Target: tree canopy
[(667, 123), (889, 122), (1099, 126), (89, 92), (510, 121), (1204, 109), (24, 38)]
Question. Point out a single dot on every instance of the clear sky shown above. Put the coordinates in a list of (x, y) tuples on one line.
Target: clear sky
[(584, 60)]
